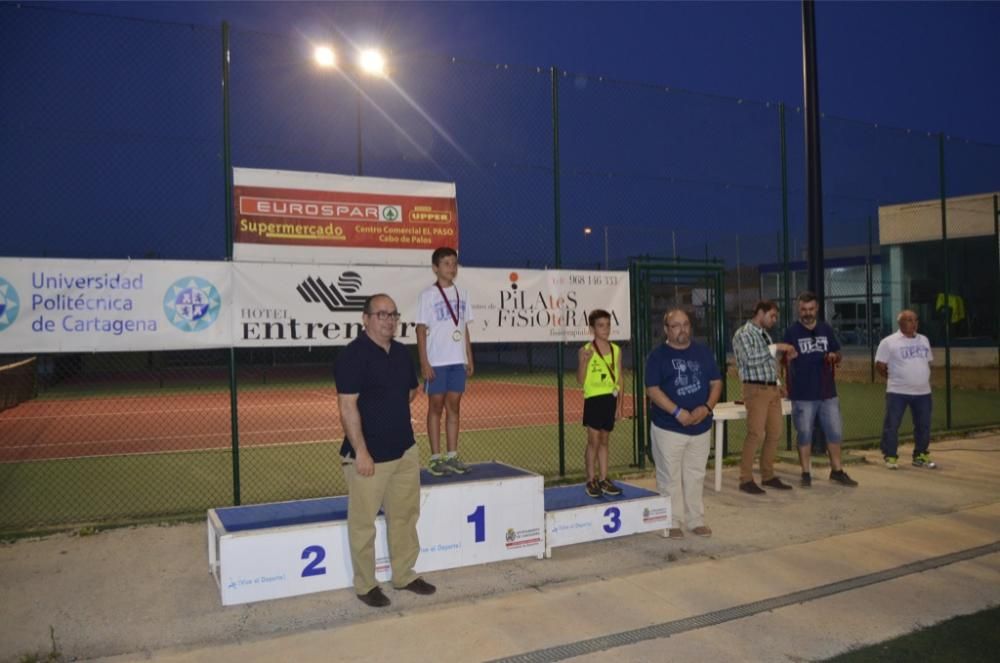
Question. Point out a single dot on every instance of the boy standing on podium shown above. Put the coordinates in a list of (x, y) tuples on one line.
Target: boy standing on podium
[(445, 349), (599, 370)]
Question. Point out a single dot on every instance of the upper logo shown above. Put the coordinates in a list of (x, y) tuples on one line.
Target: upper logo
[(192, 304), (336, 297), (10, 304)]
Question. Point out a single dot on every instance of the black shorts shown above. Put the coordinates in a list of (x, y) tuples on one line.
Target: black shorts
[(599, 412)]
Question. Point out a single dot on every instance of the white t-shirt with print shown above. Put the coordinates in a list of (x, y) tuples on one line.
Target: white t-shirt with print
[(909, 365), (442, 348)]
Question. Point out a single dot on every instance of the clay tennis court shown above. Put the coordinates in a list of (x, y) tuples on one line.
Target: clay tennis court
[(174, 422)]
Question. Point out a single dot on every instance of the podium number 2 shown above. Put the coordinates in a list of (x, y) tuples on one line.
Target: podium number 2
[(478, 517), (313, 568), (613, 514)]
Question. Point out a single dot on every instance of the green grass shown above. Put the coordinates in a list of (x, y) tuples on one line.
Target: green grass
[(968, 639)]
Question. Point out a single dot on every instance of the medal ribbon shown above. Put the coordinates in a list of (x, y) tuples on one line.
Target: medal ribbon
[(451, 312)]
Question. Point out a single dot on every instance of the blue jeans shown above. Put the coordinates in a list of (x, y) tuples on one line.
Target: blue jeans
[(920, 410), (827, 412)]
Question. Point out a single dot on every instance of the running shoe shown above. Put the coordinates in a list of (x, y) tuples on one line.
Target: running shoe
[(439, 467), (609, 488), (457, 466), (924, 460), (840, 476), (892, 462), (594, 488)]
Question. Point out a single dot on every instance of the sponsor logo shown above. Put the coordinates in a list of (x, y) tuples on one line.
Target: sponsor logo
[(339, 296), (522, 538), (192, 304), (654, 515), (10, 304), (426, 214)]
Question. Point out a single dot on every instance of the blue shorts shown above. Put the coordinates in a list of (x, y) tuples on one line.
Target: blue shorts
[(446, 378), (827, 411)]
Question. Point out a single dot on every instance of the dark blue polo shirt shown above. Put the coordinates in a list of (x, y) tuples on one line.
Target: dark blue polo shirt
[(383, 381), (685, 376)]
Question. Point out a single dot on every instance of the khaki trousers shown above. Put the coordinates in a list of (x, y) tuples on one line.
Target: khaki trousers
[(395, 488), (764, 422), (680, 473)]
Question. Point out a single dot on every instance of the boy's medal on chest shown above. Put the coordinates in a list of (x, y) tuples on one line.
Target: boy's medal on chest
[(453, 312)]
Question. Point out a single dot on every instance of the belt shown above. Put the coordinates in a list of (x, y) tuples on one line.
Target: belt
[(763, 382)]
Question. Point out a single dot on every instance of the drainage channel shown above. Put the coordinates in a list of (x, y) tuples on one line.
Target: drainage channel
[(667, 629)]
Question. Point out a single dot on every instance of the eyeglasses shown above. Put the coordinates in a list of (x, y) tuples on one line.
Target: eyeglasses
[(385, 315)]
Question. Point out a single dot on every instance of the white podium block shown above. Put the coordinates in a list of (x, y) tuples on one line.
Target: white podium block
[(572, 516), (268, 551)]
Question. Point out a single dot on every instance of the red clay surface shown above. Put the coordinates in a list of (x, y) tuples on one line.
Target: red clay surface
[(170, 422)]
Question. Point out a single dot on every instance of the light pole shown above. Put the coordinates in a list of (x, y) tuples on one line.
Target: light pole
[(370, 62)]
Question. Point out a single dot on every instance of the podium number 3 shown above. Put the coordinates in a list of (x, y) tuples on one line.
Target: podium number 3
[(614, 515), (478, 517), (313, 568)]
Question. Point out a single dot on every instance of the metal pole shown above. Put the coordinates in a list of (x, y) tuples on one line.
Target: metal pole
[(786, 278), (558, 260), (358, 96), (814, 180), (996, 244), (947, 287), (673, 240), (869, 302), (739, 281), (605, 247), (227, 166)]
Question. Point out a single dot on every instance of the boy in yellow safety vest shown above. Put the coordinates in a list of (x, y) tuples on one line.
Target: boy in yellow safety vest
[(599, 370)]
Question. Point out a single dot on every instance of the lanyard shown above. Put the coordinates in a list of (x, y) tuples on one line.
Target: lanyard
[(451, 312), (612, 355)]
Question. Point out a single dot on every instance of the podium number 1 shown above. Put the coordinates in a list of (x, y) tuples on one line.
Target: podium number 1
[(478, 517)]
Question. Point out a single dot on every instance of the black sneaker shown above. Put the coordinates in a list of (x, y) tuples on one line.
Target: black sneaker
[(375, 598), (806, 481), (594, 489), (775, 482), (752, 488), (840, 476), (609, 488)]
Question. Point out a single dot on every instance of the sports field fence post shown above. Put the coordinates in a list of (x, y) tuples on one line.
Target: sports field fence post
[(227, 165), (560, 346), (947, 285)]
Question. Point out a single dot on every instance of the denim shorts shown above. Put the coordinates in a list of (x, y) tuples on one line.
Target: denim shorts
[(827, 411), (446, 378)]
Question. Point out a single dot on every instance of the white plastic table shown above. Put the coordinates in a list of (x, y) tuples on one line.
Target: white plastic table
[(726, 412)]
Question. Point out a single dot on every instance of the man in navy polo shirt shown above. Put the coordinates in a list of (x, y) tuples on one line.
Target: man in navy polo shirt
[(811, 388), (683, 384), (376, 382)]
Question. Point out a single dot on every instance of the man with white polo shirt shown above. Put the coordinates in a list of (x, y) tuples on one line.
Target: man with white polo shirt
[(904, 360)]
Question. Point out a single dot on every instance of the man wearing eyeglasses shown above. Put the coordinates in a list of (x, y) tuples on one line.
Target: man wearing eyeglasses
[(376, 382), (756, 357), (812, 389)]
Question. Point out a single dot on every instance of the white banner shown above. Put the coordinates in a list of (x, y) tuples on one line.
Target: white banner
[(280, 304), (113, 305), (120, 305)]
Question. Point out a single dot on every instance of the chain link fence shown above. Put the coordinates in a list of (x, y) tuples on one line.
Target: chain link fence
[(112, 147)]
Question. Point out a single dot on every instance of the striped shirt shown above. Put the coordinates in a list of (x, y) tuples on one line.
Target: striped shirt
[(753, 354)]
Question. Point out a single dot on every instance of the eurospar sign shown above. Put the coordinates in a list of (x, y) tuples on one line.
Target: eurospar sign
[(323, 218)]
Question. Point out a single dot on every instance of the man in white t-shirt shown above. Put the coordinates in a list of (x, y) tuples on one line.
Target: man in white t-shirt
[(445, 349), (904, 360)]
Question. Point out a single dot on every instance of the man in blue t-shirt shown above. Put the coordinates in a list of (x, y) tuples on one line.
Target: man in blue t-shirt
[(811, 388), (376, 383), (683, 385)]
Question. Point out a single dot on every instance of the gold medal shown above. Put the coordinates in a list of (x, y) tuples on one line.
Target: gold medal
[(456, 336)]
